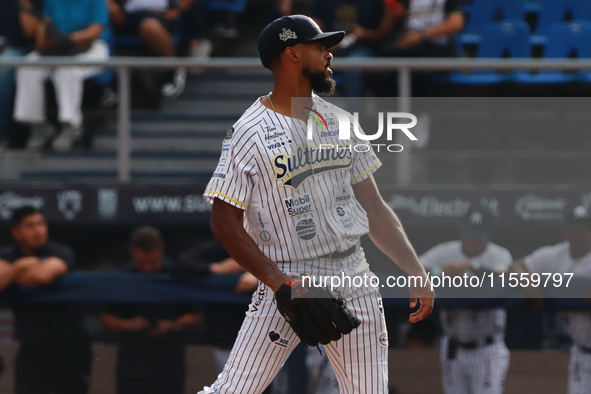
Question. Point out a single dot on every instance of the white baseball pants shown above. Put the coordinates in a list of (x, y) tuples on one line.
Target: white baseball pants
[(265, 341)]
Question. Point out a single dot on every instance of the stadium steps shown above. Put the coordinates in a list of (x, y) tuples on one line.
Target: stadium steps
[(181, 141)]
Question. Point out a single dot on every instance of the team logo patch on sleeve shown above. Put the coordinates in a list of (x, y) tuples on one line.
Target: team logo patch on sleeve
[(229, 133)]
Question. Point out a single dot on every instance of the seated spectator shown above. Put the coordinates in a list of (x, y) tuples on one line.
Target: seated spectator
[(154, 22), (54, 354), (393, 14), (429, 29), (367, 23), (71, 28), (151, 352), (13, 43)]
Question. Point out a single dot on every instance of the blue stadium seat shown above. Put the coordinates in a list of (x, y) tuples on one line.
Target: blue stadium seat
[(530, 6), (487, 11), (533, 6), (556, 11), (504, 39), (105, 78), (564, 40), (235, 6)]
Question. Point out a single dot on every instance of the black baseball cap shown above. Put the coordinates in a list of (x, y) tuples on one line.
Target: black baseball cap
[(291, 30), (478, 222), (576, 216)]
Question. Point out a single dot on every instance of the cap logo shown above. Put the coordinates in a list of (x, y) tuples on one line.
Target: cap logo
[(287, 34), (475, 218), (580, 213)]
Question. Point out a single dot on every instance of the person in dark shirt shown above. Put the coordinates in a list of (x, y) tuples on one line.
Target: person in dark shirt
[(151, 352), (354, 17), (54, 354), (12, 44)]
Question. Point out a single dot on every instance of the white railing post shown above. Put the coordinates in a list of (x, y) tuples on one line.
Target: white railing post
[(404, 159), (124, 125)]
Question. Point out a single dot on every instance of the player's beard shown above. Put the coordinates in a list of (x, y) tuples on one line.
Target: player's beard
[(319, 81)]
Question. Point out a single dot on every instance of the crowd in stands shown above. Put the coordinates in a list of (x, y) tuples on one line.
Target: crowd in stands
[(95, 29)]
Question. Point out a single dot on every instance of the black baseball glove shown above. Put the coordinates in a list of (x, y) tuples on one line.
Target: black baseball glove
[(315, 314)]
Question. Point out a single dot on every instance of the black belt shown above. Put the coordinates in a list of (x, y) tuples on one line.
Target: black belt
[(340, 255), (585, 349), (453, 344)]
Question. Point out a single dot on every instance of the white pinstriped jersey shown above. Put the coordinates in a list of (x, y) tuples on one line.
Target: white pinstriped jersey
[(469, 325), (557, 259), (298, 199)]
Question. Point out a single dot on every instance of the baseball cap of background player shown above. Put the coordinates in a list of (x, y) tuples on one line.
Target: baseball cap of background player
[(577, 216), (477, 223), (291, 30)]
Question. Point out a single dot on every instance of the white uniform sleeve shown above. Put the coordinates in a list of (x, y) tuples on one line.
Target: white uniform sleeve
[(497, 259), (434, 257), (537, 261), (232, 180), (365, 163)]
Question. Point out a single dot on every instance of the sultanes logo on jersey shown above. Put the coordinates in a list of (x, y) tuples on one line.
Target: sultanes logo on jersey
[(306, 161)]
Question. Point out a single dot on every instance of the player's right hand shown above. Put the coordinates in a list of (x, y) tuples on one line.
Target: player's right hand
[(315, 314)]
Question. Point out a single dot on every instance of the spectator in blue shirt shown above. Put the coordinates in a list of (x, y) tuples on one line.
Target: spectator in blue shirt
[(83, 23)]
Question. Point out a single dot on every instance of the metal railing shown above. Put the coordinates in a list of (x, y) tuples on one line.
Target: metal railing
[(403, 66)]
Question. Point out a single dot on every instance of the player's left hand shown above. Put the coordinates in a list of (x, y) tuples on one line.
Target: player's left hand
[(424, 297)]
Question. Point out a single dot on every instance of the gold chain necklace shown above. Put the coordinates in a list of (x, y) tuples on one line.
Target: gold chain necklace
[(270, 102)]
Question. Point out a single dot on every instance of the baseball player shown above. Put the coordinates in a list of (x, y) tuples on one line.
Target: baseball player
[(571, 256), (474, 357), (283, 208)]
